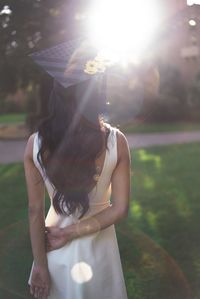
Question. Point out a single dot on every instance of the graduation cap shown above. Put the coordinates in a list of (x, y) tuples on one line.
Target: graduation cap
[(77, 63)]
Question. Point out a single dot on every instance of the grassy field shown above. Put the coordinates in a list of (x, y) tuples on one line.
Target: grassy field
[(159, 241), (12, 118), (162, 127), (136, 127)]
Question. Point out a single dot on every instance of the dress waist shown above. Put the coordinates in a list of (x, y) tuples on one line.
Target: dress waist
[(54, 219), (102, 203)]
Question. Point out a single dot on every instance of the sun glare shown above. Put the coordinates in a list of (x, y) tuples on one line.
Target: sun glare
[(192, 2), (81, 272), (123, 28)]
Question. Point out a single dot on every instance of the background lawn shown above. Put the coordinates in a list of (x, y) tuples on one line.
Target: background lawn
[(12, 118), (138, 127), (159, 241), (135, 127)]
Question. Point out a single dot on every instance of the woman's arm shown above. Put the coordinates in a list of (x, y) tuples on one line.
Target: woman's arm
[(120, 183), (36, 210)]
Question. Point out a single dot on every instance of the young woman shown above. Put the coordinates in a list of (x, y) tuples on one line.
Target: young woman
[(81, 162)]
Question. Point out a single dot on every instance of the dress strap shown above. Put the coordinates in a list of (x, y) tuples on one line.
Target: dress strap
[(36, 147), (112, 143)]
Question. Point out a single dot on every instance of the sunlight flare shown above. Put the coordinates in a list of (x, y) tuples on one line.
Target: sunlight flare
[(123, 29), (81, 272)]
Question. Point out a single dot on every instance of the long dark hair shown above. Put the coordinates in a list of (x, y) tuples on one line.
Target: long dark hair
[(70, 144)]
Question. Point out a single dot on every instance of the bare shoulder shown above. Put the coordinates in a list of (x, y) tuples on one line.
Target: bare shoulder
[(28, 154), (122, 146), (121, 139)]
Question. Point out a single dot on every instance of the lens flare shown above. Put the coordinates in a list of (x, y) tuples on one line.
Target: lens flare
[(123, 29), (81, 272)]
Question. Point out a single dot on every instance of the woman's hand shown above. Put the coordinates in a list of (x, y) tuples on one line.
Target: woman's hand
[(40, 282), (57, 237)]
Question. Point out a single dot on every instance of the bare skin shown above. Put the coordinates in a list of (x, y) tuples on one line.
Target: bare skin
[(40, 284), (58, 237)]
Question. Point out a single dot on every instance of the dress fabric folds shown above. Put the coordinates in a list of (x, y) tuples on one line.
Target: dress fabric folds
[(88, 267)]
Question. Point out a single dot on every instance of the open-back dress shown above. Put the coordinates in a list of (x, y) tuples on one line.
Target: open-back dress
[(88, 267)]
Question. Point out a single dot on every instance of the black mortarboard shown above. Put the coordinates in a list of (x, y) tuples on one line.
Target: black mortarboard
[(73, 63)]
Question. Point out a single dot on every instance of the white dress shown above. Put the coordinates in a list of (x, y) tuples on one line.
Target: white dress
[(88, 267)]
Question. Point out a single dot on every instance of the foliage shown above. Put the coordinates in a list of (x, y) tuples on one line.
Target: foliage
[(27, 26), (30, 25), (193, 98), (129, 92), (7, 106), (171, 103), (159, 95)]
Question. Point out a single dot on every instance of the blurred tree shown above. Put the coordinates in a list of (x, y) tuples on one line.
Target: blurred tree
[(170, 104), (130, 94), (172, 83), (27, 26), (193, 99)]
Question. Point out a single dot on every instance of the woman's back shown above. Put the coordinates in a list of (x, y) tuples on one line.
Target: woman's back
[(80, 268), (100, 194), (84, 261)]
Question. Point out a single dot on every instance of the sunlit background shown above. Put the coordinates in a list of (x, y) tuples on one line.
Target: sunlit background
[(157, 44), (123, 29)]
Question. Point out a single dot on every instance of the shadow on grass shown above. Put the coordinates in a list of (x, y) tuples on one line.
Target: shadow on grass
[(149, 271)]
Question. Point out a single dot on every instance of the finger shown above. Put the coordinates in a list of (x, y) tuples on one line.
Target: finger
[(48, 244), (31, 290), (36, 292), (46, 293), (52, 242), (50, 228), (47, 228), (53, 246), (51, 236), (40, 292), (55, 232), (48, 249), (44, 296)]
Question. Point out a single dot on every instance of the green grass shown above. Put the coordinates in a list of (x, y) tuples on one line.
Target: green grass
[(14, 118), (162, 127), (159, 241)]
